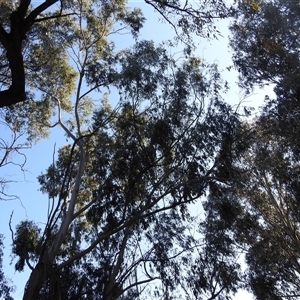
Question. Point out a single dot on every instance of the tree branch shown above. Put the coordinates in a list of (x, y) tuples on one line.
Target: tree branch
[(22, 9), (3, 37), (12, 42), (31, 18)]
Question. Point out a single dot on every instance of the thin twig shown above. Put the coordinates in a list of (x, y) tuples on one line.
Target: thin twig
[(12, 233)]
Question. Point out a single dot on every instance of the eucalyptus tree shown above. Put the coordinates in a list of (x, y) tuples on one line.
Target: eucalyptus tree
[(274, 178), (259, 213), (23, 28), (119, 194), (118, 215)]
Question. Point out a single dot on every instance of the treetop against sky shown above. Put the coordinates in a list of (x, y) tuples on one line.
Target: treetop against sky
[(22, 18), (138, 131)]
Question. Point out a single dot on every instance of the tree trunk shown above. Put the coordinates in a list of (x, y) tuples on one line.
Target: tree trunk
[(41, 271), (35, 283)]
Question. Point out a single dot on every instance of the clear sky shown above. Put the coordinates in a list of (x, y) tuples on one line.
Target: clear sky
[(32, 205)]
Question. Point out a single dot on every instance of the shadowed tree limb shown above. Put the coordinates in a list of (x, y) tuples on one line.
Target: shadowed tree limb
[(12, 43)]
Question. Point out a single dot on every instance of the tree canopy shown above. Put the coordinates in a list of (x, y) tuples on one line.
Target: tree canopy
[(148, 136), (259, 211), (26, 31), (119, 193)]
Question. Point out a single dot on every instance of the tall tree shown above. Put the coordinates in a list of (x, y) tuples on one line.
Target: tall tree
[(265, 40), (119, 218), (259, 211), (119, 192)]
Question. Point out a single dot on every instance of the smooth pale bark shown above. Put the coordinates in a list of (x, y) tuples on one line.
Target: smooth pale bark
[(42, 270)]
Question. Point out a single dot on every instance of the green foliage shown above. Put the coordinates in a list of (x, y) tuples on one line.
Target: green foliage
[(145, 162), (5, 286), (118, 216), (26, 243), (266, 50), (266, 44)]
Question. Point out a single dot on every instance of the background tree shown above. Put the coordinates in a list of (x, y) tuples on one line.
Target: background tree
[(5, 286), (277, 204), (257, 212), (265, 41), (265, 217)]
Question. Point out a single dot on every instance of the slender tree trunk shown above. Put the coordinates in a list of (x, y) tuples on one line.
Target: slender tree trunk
[(40, 273), (35, 283), (110, 291)]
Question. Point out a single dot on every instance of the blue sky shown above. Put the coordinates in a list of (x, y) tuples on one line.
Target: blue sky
[(32, 204)]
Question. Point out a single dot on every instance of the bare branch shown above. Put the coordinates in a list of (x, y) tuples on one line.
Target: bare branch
[(12, 232)]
